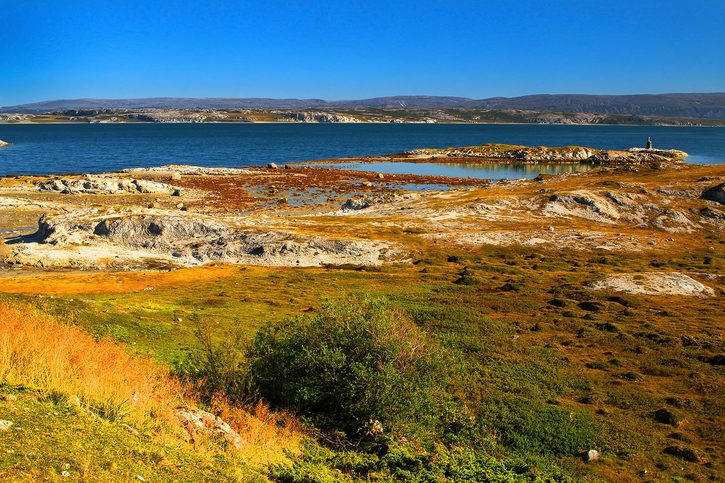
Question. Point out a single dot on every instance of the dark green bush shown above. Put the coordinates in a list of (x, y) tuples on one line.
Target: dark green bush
[(353, 363)]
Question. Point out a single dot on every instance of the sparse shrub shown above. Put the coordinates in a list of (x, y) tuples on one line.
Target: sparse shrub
[(687, 454), (591, 306), (607, 327), (666, 416), (353, 363), (217, 368), (465, 277)]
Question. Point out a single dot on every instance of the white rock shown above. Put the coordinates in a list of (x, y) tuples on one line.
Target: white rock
[(654, 283), (591, 455)]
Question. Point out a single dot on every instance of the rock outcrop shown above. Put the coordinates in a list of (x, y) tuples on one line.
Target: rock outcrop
[(654, 283), (104, 185), (76, 239)]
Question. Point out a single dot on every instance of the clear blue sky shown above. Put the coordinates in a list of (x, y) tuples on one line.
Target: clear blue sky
[(355, 49)]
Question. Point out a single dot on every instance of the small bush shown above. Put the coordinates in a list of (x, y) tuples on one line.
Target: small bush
[(353, 363), (465, 277), (217, 368)]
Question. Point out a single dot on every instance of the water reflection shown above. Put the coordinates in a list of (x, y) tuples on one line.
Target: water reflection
[(465, 170)]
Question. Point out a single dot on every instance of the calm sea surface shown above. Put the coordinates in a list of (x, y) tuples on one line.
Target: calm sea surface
[(83, 148)]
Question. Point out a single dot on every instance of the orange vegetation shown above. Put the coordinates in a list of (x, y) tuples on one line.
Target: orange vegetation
[(97, 282), (62, 359), (66, 362)]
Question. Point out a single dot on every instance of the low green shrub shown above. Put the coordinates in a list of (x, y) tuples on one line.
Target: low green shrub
[(355, 363), (410, 463)]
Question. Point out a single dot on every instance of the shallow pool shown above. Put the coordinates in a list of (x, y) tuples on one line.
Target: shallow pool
[(479, 171)]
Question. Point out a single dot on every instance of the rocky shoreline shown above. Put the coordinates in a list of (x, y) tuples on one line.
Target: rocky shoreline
[(179, 216)]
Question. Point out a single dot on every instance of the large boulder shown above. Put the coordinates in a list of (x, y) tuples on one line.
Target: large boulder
[(715, 193), (653, 283)]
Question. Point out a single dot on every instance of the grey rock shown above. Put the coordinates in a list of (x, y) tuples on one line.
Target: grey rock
[(103, 185), (193, 240), (196, 421)]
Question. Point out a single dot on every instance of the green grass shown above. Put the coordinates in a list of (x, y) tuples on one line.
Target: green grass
[(50, 436)]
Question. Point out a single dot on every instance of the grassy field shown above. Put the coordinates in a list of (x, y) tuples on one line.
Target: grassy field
[(551, 368)]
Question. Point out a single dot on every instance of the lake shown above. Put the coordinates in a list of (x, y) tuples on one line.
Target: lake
[(87, 148)]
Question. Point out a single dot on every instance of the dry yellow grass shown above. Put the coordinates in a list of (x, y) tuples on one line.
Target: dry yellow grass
[(52, 357), (266, 434), (102, 376)]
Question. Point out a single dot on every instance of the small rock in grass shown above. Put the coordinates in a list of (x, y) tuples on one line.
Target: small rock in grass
[(381, 176), (176, 192), (11, 397), (65, 474), (5, 425), (176, 176), (272, 165), (591, 455)]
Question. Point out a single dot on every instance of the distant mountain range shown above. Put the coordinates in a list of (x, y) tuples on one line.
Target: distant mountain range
[(702, 105)]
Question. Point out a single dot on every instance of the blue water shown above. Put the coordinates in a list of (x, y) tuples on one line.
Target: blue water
[(81, 148), (462, 170)]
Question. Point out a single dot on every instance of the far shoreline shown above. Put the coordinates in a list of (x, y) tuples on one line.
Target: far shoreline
[(66, 123)]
